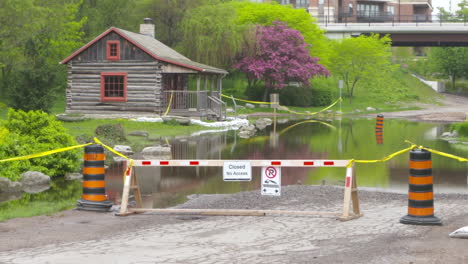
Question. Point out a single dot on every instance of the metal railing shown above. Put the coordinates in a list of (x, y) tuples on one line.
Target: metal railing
[(376, 18)]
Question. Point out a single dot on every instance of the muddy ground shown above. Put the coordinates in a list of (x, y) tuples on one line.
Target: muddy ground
[(377, 237)]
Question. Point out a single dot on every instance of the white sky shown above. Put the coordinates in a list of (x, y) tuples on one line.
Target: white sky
[(445, 4)]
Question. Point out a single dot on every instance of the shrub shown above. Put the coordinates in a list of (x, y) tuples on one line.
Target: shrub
[(304, 96), (114, 133), (26, 133), (461, 128)]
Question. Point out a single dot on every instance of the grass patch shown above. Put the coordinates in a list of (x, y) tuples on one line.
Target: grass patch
[(85, 130), (35, 208)]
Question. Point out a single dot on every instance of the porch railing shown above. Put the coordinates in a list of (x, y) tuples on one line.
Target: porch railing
[(193, 103)]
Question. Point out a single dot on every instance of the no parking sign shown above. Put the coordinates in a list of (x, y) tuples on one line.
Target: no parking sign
[(271, 180)]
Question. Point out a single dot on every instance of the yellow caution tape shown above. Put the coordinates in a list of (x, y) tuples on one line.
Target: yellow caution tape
[(111, 149), (291, 111), (130, 161), (169, 105), (440, 153), (391, 156), (45, 153), (247, 101)]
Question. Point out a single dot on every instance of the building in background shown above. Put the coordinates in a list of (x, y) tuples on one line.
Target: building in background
[(342, 11)]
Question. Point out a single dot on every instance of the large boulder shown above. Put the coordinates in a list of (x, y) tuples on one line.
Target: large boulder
[(34, 178), (7, 186)]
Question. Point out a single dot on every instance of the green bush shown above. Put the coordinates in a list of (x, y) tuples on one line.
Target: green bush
[(461, 128), (305, 96), (25, 133), (112, 132)]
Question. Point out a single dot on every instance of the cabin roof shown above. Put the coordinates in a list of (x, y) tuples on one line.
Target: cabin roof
[(152, 47)]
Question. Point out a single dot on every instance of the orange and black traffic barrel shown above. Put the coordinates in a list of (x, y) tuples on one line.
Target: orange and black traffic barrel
[(379, 129), (94, 196), (421, 195)]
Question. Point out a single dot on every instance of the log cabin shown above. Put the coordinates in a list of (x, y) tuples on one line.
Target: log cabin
[(123, 71)]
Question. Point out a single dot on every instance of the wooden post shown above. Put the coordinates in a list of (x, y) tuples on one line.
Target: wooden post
[(198, 92), (126, 192), (350, 195)]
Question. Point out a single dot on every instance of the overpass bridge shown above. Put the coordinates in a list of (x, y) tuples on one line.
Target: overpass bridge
[(412, 34)]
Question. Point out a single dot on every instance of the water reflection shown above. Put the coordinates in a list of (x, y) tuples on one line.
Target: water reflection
[(62, 193), (338, 139)]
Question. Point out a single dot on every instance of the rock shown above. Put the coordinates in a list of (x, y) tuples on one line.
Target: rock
[(70, 118), (454, 133), (34, 178), (357, 111), (139, 133), (338, 112), (242, 116), (263, 106), (446, 134), (230, 110), (4, 196), (460, 233), (251, 106), (370, 109), (282, 107), (240, 107), (263, 122), (36, 188), (244, 134), (247, 131), (123, 149), (7, 186), (71, 176), (329, 111), (156, 151)]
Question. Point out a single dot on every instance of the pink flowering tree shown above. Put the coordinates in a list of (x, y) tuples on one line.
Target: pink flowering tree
[(278, 55)]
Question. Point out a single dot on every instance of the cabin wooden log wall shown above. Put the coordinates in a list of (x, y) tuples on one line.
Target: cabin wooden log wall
[(143, 86)]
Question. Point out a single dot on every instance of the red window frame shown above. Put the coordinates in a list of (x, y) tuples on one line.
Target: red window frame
[(111, 86), (113, 50)]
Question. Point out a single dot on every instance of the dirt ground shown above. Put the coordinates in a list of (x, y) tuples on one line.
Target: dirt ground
[(377, 237)]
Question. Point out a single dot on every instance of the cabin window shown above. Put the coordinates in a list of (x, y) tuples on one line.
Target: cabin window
[(113, 87), (113, 50)]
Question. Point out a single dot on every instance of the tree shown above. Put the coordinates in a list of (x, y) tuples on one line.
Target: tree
[(212, 35), (215, 34), (99, 15), (266, 13), (168, 15), (278, 56), (452, 61), (49, 32), (364, 57)]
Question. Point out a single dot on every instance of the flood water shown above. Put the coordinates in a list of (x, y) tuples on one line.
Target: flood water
[(338, 139)]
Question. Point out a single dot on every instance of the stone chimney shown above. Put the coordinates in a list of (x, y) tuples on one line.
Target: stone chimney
[(147, 28)]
